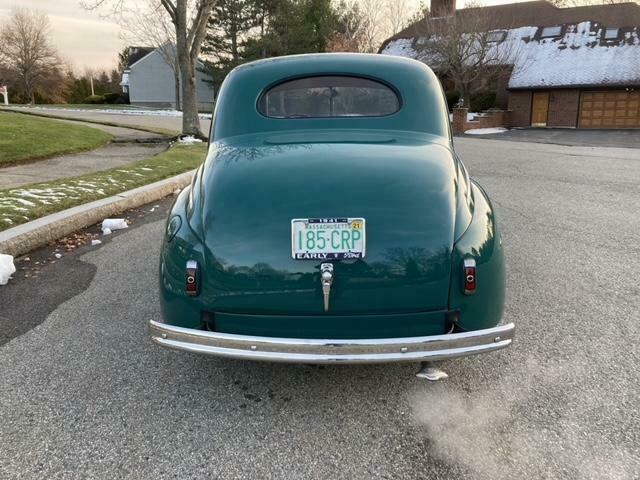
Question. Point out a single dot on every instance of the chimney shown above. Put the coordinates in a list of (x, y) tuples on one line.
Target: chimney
[(443, 8)]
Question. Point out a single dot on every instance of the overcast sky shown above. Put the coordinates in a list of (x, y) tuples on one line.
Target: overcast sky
[(87, 39)]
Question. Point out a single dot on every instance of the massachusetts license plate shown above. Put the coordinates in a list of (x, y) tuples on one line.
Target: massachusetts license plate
[(327, 238)]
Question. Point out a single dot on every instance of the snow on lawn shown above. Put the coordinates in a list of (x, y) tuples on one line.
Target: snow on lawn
[(485, 131), (128, 111), (14, 206), (7, 268)]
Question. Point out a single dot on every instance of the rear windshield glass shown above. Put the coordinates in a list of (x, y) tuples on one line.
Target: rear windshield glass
[(329, 96)]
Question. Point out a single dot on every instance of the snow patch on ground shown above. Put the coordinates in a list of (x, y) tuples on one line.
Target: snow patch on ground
[(470, 116), (486, 131), (189, 140), (7, 268)]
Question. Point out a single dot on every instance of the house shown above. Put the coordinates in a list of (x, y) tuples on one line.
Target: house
[(572, 67), (150, 81)]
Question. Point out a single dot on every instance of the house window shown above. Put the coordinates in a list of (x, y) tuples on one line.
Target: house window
[(496, 36), (611, 33), (548, 32)]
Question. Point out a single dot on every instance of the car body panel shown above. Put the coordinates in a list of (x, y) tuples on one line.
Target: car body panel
[(423, 215)]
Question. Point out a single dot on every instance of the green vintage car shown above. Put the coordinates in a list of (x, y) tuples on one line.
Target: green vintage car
[(332, 222)]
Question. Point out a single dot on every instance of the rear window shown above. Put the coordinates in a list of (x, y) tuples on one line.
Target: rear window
[(329, 96)]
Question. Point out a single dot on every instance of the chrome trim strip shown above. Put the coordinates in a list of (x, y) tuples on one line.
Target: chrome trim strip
[(298, 350)]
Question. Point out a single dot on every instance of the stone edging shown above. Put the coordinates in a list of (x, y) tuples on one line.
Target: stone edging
[(37, 233)]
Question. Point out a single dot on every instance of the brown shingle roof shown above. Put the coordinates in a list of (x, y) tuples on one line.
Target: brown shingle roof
[(540, 13)]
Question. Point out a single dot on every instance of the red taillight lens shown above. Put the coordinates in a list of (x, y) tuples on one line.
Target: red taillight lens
[(470, 279), (192, 281)]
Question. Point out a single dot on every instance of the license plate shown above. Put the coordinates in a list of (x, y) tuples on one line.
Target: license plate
[(327, 238)]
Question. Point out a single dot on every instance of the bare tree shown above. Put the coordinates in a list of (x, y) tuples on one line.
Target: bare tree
[(190, 28), (397, 15), (374, 27), (464, 48), (349, 34), (27, 53), (381, 19)]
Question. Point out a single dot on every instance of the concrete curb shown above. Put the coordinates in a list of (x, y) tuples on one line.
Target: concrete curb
[(37, 233)]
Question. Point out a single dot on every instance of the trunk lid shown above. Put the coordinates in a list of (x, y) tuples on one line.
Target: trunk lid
[(404, 186)]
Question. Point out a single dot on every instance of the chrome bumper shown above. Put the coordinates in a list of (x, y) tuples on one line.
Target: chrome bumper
[(298, 350)]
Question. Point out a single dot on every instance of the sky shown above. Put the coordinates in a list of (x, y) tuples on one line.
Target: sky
[(89, 38)]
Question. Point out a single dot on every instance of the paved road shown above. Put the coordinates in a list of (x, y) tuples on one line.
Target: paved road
[(85, 395), (629, 138)]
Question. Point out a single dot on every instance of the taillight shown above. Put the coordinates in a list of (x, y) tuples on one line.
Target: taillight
[(470, 279), (192, 278)]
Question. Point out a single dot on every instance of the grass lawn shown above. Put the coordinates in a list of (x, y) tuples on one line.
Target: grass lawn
[(38, 113), (24, 138), (20, 205)]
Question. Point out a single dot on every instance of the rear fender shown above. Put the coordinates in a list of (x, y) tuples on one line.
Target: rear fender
[(178, 308), (483, 242)]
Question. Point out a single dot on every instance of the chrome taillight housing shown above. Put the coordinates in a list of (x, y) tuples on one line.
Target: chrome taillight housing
[(192, 278), (470, 279)]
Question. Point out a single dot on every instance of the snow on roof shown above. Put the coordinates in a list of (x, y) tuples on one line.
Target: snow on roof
[(580, 57)]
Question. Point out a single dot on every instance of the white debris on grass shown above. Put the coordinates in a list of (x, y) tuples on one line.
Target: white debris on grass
[(189, 140), (112, 224), (7, 268), (95, 242), (485, 131)]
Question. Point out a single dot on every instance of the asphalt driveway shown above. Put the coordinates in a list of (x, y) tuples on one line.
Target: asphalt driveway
[(570, 136), (83, 393)]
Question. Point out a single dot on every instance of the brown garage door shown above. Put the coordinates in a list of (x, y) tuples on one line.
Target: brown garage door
[(612, 109)]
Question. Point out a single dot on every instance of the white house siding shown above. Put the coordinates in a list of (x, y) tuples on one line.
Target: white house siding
[(151, 84)]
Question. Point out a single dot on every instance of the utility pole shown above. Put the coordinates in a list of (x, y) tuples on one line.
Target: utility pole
[(91, 80)]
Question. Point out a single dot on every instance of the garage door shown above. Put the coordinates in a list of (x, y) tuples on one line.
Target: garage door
[(612, 109)]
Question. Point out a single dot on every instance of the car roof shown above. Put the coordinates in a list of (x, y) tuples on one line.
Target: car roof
[(423, 106)]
